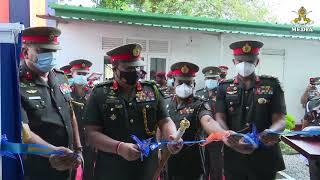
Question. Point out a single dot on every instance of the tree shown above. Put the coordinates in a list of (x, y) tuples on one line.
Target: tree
[(253, 10)]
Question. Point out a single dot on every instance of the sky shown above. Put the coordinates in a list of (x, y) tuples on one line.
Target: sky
[(282, 9)]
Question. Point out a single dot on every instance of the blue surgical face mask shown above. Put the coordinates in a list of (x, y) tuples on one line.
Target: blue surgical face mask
[(80, 79), (46, 61), (71, 81), (211, 83), (170, 82)]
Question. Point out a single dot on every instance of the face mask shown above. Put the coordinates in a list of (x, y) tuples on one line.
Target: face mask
[(184, 91), (80, 79), (211, 84), (245, 68), (46, 61), (318, 87), (223, 76), (130, 77), (96, 82), (70, 81), (170, 82)]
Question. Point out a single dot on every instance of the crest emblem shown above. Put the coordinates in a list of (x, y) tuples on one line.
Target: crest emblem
[(184, 69), (262, 101), (302, 18), (246, 48), (136, 51), (51, 37)]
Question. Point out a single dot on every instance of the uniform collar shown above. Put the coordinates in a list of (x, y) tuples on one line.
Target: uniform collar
[(183, 104), (256, 79)]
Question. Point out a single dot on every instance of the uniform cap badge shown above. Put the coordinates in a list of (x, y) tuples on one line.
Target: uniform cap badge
[(246, 48), (184, 69), (136, 51)]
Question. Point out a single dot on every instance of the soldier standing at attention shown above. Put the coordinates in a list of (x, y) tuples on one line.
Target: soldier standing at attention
[(213, 151), (245, 101), (189, 163), (224, 72), (80, 92), (123, 107), (46, 109)]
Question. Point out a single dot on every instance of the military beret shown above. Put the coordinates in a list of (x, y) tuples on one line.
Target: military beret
[(223, 68), (161, 74), (169, 74)]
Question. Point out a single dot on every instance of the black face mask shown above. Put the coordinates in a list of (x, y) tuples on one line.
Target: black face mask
[(223, 75), (130, 77)]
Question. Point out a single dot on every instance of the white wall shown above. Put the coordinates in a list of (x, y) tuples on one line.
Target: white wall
[(301, 62), (83, 40)]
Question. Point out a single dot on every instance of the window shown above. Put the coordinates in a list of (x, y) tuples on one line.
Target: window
[(156, 65)]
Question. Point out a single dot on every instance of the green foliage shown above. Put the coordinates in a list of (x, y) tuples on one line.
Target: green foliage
[(254, 10), (290, 122)]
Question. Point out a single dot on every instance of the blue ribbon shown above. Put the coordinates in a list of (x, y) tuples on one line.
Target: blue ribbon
[(19, 148), (14, 150), (308, 133), (252, 137), (145, 146)]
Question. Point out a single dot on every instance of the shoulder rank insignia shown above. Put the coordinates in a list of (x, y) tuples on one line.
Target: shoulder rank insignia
[(32, 91), (23, 85)]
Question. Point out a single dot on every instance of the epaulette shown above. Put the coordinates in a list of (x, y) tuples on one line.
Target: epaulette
[(267, 77), (105, 83), (58, 71), (152, 83), (270, 77), (226, 81), (199, 90)]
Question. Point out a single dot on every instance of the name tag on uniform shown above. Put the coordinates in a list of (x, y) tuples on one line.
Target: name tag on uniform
[(34, 97)]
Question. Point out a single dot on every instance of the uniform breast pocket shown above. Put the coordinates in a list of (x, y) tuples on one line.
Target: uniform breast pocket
[(263, 100), (31, 103), (114, 112), (233, 103), (34, 107)]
